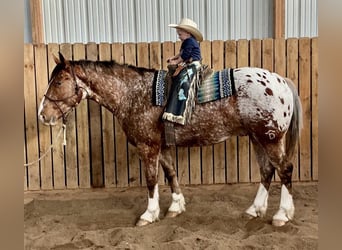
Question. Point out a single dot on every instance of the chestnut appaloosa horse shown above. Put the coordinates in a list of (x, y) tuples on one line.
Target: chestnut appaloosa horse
[(266, 107)]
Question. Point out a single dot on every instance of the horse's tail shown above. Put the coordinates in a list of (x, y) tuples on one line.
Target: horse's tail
[(293, 133)]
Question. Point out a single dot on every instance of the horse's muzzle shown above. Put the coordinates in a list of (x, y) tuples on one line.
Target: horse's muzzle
[(45, 121)]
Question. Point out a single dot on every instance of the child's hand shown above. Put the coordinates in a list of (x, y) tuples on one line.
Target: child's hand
[(170, 59)]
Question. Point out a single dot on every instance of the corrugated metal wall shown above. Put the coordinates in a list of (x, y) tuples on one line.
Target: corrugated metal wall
[(70, 21), (301, 18)]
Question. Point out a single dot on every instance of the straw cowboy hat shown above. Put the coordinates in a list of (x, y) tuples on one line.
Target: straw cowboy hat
[(189, 26)]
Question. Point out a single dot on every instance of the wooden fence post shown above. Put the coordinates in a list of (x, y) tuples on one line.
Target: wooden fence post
[(279, 18), (37, 21)]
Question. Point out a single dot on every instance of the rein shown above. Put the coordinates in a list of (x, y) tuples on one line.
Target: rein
[(50, 147)]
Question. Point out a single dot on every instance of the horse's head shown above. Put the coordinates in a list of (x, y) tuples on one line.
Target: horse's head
[(62, 95)]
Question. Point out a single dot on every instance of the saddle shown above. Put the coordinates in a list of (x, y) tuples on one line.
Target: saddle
[(174, 70), (212, 85)]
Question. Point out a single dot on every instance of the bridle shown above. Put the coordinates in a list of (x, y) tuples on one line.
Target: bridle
[(77, 89), (64, 115)]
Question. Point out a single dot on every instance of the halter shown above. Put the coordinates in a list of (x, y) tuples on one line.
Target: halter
[(55, 101)]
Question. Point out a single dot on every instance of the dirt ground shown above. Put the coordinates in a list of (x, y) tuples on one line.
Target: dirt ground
[(214, 219)]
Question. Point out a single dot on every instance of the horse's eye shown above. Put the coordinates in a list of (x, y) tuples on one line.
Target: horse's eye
[(58, 83)]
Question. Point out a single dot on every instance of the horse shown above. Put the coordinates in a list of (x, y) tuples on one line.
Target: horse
[(266, 107)]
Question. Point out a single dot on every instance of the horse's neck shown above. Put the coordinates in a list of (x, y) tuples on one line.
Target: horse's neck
[(114, 86), (104, 85)]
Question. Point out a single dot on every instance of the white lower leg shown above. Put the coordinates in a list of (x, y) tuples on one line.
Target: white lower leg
[(178, 203), (152, 212), (286, 207), (259, 206)]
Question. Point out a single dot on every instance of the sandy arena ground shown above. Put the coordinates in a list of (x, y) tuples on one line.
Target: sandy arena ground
[(214, 219)]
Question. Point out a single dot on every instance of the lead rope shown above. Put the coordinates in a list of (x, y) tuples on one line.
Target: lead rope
[(50, 147)]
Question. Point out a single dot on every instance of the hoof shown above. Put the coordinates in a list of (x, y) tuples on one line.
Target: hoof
[(278, 223), (249, 216), (171, 214), (142, 222)]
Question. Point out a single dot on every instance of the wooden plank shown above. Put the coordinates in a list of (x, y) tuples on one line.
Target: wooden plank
[(143, 61), (95, 129), (58, 150), (31, 118), (267, 63), (105, 54), (182, 153), (142, 54), (194, 159), (195, 165), (304, 91), (243, 141), (155, 55), (254, 61), (231, 143), (44, 131), (217, 48), (168, 50), (37, 21), (279, 18), (279, 64), (133, 157), (280, 56), (314, 111), (120, 137), (83, 144), (255, 53), (183, 165), (207, 151), (71, 146), (267, 54), (292, 73), (156, 63)]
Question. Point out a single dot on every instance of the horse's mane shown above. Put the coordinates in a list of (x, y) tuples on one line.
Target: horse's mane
[(109, 65)]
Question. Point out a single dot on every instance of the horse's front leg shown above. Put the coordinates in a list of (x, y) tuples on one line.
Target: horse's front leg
[(178, 201), (150, 157)]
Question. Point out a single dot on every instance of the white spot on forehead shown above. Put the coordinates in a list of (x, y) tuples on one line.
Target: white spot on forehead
[(265, 91), (41, 105)]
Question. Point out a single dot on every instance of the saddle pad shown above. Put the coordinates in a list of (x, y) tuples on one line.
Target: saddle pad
[(159, 88), (218, 85)]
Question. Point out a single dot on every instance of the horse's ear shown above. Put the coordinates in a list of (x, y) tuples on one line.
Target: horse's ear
[(61, 58), (57, 61)]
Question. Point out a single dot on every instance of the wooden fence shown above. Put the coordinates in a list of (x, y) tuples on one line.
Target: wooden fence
[(97, 153)]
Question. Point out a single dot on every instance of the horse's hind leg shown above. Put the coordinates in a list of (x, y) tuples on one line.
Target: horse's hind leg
[(278, 158), (286, 207), (178, 201), (259, 206)]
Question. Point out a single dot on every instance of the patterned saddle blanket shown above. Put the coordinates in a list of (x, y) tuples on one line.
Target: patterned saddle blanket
[(215, 86)]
